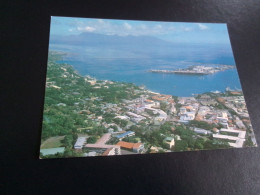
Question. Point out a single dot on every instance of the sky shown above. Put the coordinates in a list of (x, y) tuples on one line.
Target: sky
[(177, 32)]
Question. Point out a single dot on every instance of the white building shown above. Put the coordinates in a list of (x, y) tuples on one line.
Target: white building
[(80, 143), (239, 139), (170, 141), (187, 116)]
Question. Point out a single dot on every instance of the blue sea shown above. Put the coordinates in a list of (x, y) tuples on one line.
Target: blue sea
[(137, 71)]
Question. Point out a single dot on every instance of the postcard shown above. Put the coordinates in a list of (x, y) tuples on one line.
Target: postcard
[(119, 87)]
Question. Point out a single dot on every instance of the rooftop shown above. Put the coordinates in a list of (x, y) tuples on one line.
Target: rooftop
[(125, 134), (128, 145), (104, 138)]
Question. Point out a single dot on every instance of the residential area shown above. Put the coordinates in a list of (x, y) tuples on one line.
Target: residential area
[(84, 116)]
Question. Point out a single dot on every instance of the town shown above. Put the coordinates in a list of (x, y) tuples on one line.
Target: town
[(84, 116)]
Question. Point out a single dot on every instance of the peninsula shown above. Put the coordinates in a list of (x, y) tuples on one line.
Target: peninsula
[(196, 70)]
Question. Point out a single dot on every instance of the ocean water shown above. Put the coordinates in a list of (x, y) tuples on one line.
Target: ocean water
[(137, 71)]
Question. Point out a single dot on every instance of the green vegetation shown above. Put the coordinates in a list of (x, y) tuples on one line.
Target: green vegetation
[(180, 145), (248, 142), (66, 98), (113, 140), (52, 142), (163, 106), (202, 125), (69, 140), (92, 139), (189, 141), (131, 139), (120, 122)]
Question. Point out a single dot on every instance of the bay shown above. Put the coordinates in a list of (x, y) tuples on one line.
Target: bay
[(137, 71)]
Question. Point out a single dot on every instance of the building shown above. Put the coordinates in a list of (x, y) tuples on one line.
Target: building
[(90, 154), (135, 117), (135, 147), (169, 141), (235, 141), (80, 143), (101, 147), (162, 97), (187, 116), (123, 117), (126, 134), (201, 131), (110, 152)]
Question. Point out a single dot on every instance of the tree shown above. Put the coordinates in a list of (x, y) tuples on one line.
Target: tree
[(202, 124), (163, 106), (214, 144), (180, 145), (165, 128), (130, 139), (249, 142), (92, 140), (120, 122), (199, 144), (68, 141)]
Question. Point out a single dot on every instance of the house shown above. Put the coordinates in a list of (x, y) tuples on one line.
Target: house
[(169, 141), (135, 147), (201, 131), (187, 116)]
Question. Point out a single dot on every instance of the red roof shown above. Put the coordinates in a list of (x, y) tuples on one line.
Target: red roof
[(128, 145)]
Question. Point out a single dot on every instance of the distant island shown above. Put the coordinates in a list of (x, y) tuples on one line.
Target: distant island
[(196, 70)]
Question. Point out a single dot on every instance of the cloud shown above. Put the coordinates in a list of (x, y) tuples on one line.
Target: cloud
[(143, 27), (86, 29), (158, 26), (203, 27), (134, 28), (100, 21), (187, 29), (127, 26)]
